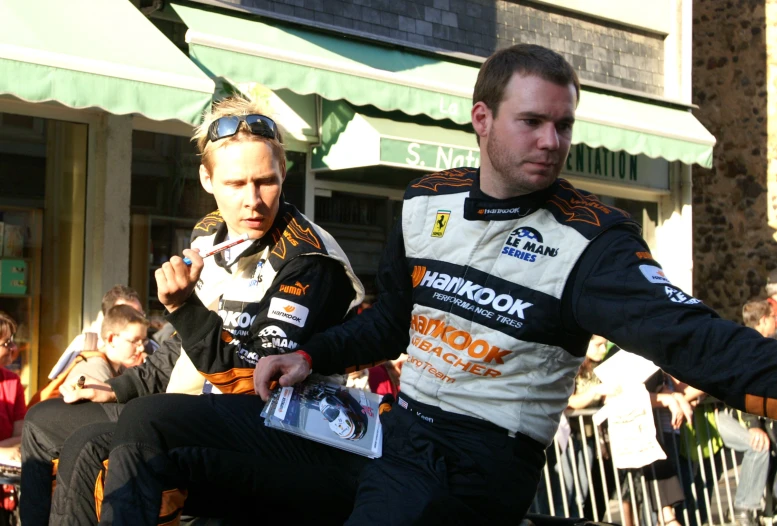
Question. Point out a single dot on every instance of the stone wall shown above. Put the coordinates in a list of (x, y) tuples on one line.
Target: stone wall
[(734, 249), (600, 51)]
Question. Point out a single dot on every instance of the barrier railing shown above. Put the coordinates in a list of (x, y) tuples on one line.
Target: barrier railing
[(581, 481)]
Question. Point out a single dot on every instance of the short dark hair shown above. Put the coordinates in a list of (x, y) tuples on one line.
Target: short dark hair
[(118, 317), (526, 59), (118, 292), (753, 311)]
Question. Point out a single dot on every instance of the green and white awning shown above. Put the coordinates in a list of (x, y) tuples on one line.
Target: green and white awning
[(249, 50), (640, 128), (104, 54), (242, 49)]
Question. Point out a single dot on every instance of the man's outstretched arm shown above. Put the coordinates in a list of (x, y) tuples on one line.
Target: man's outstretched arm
[(618, 292)]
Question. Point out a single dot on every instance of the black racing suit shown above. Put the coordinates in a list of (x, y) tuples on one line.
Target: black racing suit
[(50, 427)]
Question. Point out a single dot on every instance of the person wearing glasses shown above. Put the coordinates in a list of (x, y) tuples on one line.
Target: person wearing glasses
[(91, 338), (263, 296), (123, 333)]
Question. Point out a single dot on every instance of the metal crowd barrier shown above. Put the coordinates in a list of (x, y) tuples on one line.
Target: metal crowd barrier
[(599, 491)]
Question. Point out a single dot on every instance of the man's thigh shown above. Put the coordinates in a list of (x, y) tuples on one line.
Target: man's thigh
[(53, 421), (182, 425), (219, 445)]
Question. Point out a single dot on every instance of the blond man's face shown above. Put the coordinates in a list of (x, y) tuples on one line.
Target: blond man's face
[(245, 178)]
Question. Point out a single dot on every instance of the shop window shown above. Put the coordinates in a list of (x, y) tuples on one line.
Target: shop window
[(43, 167), (347, 209), (24, 122)]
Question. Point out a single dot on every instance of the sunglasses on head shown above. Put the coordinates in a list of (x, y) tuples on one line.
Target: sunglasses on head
[(228, 126)]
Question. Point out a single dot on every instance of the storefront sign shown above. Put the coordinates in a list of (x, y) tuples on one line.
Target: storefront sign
[(617, 167), (426, 156)]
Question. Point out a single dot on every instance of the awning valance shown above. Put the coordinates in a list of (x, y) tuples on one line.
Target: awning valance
[(245, 50), (642, 128), (350, 139), (105, 54)]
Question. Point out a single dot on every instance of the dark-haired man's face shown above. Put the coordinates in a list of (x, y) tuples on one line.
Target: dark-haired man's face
[(525, 146)]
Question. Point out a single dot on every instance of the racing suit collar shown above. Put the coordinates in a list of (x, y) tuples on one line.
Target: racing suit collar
[(256, 245), (479, 206)]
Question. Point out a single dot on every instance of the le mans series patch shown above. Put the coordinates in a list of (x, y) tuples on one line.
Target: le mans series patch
[(441, 223)]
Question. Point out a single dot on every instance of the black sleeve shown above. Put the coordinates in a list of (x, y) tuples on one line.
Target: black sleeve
[(377, 334), (308, 295), (618, 292), (152, 376)]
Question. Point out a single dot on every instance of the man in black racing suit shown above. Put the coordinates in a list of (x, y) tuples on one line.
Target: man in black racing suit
[(288, 264)]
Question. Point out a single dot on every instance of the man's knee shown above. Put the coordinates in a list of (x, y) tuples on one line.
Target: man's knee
[(85, 450), (40, 420)]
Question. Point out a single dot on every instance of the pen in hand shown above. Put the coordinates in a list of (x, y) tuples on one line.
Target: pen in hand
[(81, 381), (221, 247)]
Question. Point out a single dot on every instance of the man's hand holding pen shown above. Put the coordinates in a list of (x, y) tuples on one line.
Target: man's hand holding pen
[(176, 280)]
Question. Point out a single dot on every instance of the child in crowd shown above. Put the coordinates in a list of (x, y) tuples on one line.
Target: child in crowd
[(758, 315), (11, 394), (123, 334)]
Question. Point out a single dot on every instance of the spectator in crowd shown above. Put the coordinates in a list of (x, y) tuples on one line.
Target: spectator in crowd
[(263, 296), (771, 290), (384, 378), (91, 338), (159, 329), (12, 413), (11, 394), (123, 333), (495, 316), (664, 488), (744, 432), (759, 316)]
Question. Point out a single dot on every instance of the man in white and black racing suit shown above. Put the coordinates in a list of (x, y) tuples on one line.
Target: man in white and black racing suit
[(267, 295), (493, 281)]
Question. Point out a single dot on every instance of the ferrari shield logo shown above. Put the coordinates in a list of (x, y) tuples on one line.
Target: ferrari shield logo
[(441, 223)]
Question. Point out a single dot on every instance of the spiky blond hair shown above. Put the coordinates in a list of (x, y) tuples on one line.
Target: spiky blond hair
[(236, 106)]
